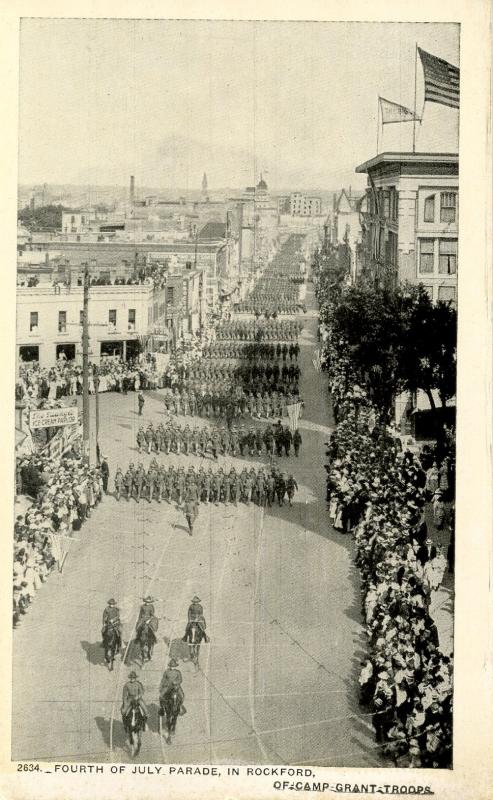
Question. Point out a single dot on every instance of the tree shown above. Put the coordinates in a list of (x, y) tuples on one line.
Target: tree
[(49, 216), (427, 357)]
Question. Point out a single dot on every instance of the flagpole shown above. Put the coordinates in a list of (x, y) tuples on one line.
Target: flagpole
[(415, 85), (378, 120)]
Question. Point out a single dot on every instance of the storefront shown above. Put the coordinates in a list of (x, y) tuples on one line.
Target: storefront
[(67, 350), (29, 352)]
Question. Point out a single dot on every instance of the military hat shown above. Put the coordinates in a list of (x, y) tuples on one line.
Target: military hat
[(173, 663), (148, 599), (196, 599), (132, 675), (112, 602)]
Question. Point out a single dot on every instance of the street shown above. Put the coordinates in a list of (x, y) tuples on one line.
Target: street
[(278, 682)]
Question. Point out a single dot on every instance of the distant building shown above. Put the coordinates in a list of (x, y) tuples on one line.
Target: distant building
[(302, 205), (411, 222)]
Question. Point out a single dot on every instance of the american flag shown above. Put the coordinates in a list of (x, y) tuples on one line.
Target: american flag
[(441, 80), (294, 410)]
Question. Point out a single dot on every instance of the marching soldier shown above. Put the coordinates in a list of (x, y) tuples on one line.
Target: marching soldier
[(297, 442)]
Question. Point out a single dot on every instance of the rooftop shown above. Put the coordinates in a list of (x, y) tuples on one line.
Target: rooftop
[(408, 158), (212, 231)]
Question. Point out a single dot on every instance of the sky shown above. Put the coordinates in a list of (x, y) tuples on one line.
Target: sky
[(167, 100)]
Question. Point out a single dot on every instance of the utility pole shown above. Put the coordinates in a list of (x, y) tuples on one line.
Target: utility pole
[(85, 369)]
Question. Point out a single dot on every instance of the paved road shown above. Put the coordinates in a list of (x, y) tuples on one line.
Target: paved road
[(278, 682)]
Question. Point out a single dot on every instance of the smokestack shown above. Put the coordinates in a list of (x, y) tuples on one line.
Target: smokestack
[(132, 190)]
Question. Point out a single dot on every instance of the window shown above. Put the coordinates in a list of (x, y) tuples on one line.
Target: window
[(447, 256), (447, 206), (112, 316), (62, 322), (386, 205), (81, 317), (446, 294), (33, 321), (428, 290), (170, 295), (392, 249), (72, 219), (131, 316), (429, 215), (426, 255)]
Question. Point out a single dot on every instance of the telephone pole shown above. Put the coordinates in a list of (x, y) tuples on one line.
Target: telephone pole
[(85, 369)]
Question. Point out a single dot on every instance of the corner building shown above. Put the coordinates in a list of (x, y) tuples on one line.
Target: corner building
[(410, 228)]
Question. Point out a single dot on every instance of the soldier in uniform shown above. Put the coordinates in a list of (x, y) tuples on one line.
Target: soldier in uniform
[(129, 482), (291, 486), (226, 488), (160, 483), (134, 690), (149, 435), (111, 617), (214, 443), (187, 436), (167, 439), (190, 510), (287, 438), (206, 486), (118, 482), (215, 488), (172, 677), (139, 481), (195, 440), (147, 609), (297, 441), (270, 490), (141, 400), (180, 485), (141, 439), (196, 614), (280, 488)]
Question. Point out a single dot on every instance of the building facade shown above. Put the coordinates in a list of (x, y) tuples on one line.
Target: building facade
[(411, 223), (49, 322), (302, 205)]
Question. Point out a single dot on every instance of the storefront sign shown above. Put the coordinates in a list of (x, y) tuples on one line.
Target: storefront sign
[(53, 417)]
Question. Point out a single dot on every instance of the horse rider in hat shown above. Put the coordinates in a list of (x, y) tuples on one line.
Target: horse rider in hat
[(147, 609), (134, 690), (196, 614), (111, 618), (172, 677)]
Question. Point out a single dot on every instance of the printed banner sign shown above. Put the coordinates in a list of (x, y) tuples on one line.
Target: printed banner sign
[(53, 417)]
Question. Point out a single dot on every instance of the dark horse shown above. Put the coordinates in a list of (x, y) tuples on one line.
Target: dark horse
[(111, 644), (169, 707), (146, 639), (194, 635), (134, 723)]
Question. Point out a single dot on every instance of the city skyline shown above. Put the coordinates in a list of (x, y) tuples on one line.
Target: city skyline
[(301, 109)]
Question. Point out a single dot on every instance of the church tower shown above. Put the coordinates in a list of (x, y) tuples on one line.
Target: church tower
[(204, 185)]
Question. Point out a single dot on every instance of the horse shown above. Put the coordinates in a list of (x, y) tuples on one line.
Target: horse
[(169, 707), (111, 644), (146, 638), (195, 634), (134, 723)]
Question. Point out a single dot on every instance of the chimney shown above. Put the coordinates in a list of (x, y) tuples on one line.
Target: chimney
[(132, 190)]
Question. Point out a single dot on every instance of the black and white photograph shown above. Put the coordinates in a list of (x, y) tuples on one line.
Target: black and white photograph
[(236, 366)]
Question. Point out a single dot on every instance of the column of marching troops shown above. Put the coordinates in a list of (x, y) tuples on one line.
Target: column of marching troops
[(216, 390), (200, 441), (263, 486)]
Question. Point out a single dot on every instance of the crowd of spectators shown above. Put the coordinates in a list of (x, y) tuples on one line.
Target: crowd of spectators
[(379, 493), (63, 491)]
